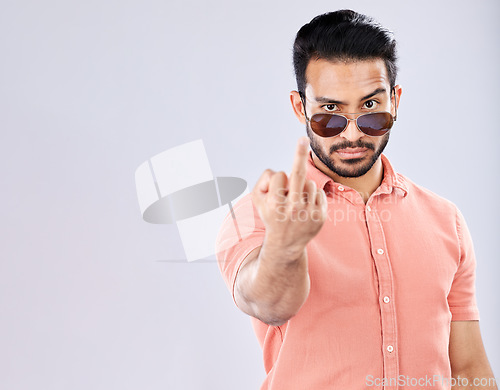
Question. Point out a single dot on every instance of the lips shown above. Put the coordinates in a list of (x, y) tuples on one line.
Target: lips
[(351, 152)]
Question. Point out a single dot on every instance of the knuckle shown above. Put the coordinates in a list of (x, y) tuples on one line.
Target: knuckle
[(279, 198), (268, 172), (279, 176)]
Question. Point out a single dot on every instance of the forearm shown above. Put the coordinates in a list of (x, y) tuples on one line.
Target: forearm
[(276, 284)]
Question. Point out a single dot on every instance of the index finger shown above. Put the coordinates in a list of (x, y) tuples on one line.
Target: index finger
[(298, 174)]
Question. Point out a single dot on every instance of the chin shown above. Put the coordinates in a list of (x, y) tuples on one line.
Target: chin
[(351, 161)]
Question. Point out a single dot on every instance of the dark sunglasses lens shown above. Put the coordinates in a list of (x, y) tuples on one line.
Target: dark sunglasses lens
[(328, 125), (375, 124)]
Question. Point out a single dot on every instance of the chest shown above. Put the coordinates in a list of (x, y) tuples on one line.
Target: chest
[(359, 253)]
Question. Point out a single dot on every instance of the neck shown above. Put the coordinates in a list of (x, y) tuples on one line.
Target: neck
[(365, 185)]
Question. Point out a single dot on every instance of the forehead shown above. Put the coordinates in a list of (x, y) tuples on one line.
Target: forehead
[(345, 80)]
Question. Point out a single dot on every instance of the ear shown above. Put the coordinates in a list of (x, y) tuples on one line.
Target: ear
[(297, 106), (398, 91)]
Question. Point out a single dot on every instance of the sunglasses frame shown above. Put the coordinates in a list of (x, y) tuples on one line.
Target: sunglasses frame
[(359, 115)]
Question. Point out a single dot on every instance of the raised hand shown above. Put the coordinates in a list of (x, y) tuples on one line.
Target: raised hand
[(293, 209)]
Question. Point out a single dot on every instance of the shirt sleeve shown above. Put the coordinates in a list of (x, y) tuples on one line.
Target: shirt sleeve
[(241, 232), (462, 296)]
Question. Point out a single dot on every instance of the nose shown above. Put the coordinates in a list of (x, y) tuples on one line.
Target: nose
[(352, 133)]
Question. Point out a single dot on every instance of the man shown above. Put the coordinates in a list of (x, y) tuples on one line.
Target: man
[(354, 276)]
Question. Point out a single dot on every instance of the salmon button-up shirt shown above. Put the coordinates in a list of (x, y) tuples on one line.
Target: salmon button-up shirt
[(387, 277)]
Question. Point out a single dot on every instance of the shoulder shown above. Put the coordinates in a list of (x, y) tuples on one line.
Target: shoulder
[(240, 221), (425, 198)]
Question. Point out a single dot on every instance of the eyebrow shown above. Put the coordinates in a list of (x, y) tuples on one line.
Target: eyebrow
[(323, 99)]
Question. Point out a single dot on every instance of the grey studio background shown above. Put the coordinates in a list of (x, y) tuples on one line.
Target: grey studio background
[(89, 295)]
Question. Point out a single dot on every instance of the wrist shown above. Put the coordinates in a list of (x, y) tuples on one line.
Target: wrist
[(277, 247)]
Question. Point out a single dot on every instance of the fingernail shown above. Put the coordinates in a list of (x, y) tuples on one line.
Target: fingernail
[(304, 141)]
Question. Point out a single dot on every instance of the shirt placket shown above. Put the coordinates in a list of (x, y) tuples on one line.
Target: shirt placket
[(386, 298)]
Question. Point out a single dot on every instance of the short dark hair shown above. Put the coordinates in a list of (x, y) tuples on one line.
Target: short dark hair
[(343, 35)]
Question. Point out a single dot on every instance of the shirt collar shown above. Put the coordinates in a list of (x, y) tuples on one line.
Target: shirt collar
[(391, 180)]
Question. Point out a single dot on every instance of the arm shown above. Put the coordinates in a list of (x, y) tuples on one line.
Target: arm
[(272, 285), (468, 357), (273, 282)]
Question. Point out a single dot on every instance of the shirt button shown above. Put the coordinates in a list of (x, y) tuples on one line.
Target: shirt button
[(386, 299), (340, 188), (380, 251), (390, 348), (368, 208)]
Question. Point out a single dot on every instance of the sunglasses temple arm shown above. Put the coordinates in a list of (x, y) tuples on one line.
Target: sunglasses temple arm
[(303, 105), (395, 104)]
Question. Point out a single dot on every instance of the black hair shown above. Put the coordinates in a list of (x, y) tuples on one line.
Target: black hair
[(343, 35)]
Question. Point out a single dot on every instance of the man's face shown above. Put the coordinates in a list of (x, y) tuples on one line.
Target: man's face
[(343, 88)]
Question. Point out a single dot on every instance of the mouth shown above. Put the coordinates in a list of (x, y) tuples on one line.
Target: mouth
[(351, 152)]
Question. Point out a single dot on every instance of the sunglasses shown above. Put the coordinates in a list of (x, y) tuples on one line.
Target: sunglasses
[(373, 124)]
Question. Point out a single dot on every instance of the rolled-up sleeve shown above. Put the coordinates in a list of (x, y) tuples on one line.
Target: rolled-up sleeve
[(462, 295), (241, 232)]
